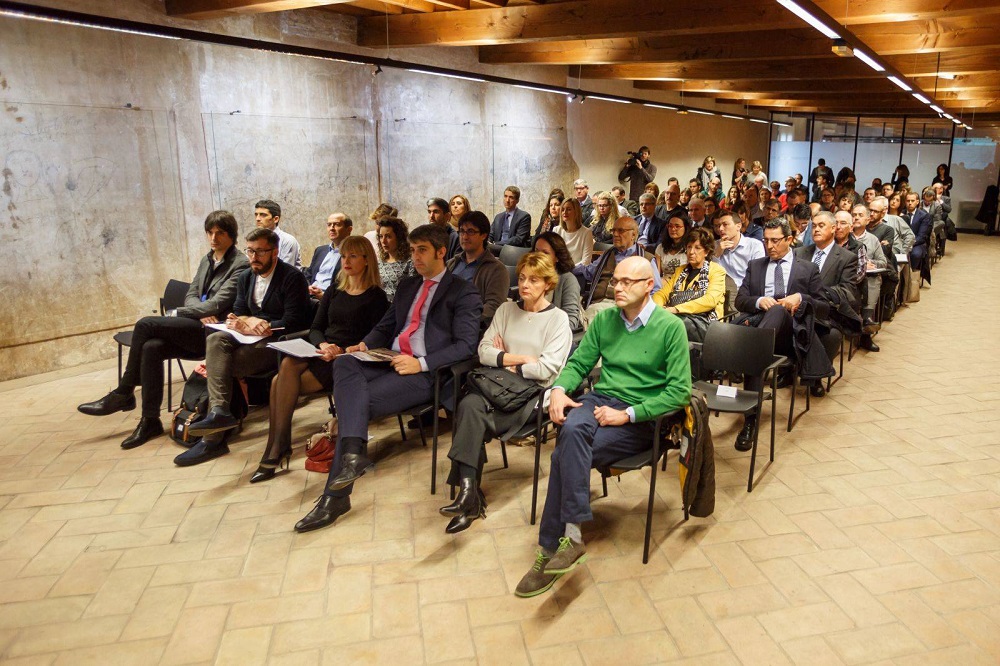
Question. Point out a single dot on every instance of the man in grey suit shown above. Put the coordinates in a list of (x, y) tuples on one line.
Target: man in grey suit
[(179, 334), (513, 225)]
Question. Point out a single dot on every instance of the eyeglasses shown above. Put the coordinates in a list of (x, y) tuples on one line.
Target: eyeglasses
[(774, 241), (251, 253), (469, 232), (625, 282), (616, 230)]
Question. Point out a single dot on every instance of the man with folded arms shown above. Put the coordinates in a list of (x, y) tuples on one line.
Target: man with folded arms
[(271, 297), (433, 322), (645, 372), (180, 334)]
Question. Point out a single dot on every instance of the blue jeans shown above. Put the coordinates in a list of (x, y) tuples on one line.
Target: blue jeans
[(582, 445)]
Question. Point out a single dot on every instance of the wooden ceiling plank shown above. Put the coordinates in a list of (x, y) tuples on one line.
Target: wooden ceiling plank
[(210, 9), (831, 68), (879, 11)]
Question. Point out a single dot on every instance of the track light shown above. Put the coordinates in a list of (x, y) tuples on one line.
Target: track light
[(809, 18), (867, 59), (899, 82)]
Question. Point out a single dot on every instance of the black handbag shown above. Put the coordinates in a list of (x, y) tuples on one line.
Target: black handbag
[(506, 391)]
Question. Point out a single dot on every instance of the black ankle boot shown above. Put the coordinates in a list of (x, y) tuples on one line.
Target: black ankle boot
[(148, 428), (470, 507)]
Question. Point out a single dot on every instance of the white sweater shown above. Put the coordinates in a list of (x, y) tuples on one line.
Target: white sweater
[(545, 335), (580, 244)]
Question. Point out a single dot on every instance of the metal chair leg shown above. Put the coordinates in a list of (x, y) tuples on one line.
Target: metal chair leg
[(604, 484), (402, 430), (503, 453), (119, 363), (170, 386)]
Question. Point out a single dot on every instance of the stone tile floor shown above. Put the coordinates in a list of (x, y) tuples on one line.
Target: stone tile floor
[(874, 538)]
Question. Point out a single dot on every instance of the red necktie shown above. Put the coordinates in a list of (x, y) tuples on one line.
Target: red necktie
[(411, 328)]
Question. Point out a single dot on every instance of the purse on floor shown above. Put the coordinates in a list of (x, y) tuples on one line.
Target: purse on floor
[(321, 447)]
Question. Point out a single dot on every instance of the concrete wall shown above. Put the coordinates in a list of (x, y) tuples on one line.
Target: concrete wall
[(116, 146)]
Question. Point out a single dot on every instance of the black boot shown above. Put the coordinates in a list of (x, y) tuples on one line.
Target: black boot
[(744, 440), (469, 507), (148, 428)]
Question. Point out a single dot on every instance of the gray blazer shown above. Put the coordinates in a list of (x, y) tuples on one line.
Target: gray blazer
[(219, 286), (566, 297)]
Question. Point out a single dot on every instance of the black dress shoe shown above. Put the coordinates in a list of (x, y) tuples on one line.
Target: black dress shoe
[(201, 452), (817, 390), (470, 508), (868, 343), (269, 468), (217, 420), (148, 428), (109, 404), (353, 467), (869, 326), (327, 510), (744, 440)]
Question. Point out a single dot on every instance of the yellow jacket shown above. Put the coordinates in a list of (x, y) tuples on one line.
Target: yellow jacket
[(715, 296)]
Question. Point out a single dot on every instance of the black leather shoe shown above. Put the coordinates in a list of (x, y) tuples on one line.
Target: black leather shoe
[(353, 467), (817, 390), (868, 343), (327, 510), (201, 452), (869, 326), (744, 440), (426, 420), (109, 404), (469, 506), (216, 420), (148, 428), (268, 469)]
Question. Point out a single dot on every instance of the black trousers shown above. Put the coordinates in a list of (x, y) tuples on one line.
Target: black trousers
[(154, 340)]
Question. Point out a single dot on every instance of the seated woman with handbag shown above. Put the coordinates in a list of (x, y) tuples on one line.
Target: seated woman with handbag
[(696, 292), (348, 311), (524, 348)]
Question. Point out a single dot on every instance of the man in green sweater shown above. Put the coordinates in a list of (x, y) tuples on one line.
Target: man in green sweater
[(645, 372)]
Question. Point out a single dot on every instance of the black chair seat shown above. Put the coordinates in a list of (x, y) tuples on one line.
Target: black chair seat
[(744, 402), (124, 338)]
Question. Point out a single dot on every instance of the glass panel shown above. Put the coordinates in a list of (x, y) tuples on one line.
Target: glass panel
[(927, 145), (974, 163), (878, 150), (833, 140)]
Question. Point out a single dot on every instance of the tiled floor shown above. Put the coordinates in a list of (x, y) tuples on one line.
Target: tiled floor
[(874, 538)]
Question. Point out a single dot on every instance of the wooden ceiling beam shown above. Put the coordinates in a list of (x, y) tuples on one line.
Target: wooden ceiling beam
[(761, 68), (395, 6), (580, 19), (960, 62), (860, 12), (210, 9)]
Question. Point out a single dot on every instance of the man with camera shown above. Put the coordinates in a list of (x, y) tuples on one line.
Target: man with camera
[(638, 171)]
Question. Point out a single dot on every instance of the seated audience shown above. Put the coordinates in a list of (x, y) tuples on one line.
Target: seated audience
[(671, 252), (775, 289), (566, 294), (599, 293), (696, 292), (582, 192), (921, 224), (605, 216), (349, 309), (904, 238), (930, 205), (731, 198), (625, 206), (476, 264), (874, 260), (513, 225), (458, 205), (382, 210), (439, 213), (749, 227), (645, 372), (650, 226), (394, 263), (553, 211), (671, 203), (272, 297), (326, 258), (532, 339), (179, 334), (579, 239), (267, 215), (801, 216), (434, 321), (734, 251), (696, 212)]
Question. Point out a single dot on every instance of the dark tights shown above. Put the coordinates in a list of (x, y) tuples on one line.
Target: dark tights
[(294, 379)]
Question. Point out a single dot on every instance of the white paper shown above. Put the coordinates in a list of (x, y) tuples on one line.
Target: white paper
[(299, 348), (726, 391), (903, 258), (244, 339)]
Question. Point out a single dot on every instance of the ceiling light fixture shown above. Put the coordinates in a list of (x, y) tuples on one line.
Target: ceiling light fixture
[(950, 77), (610, 99), (921, 98), (701, 113), (758, 120), (726, 115), (652, 105), (841, 49), (447, 75), (899, 82), (937, 108), (539, 88), (867, 59), (809, 18)]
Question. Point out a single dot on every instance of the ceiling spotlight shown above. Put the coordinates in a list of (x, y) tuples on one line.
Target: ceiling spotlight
[(840, 48)]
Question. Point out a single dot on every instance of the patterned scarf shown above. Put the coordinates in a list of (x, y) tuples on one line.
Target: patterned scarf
[(701, 288)]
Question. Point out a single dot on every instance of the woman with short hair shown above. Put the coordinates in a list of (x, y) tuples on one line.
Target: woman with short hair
[(350, 308), (696, 292), (531, 339)]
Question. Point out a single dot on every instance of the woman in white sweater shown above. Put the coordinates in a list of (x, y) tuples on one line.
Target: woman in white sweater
[(579, 239), (532, 339)]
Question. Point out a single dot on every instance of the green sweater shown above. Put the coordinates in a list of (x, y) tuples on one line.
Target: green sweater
[(648, 369)]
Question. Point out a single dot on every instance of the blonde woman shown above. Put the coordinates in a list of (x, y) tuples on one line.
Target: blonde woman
[(349, 310), (579, 239), (606, 212), (458, 205)]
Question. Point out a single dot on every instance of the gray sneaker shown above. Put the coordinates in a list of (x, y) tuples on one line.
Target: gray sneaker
[(537, 580), (568, 555)]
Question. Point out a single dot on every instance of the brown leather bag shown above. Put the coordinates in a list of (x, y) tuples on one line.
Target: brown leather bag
[(321, 447)]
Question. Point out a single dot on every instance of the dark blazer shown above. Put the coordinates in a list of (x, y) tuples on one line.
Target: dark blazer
[(491, 280), (922, 224), (840, 269), (286, 303), (451, 332), (653, 232), (312, 269), (805, 280), (520, 228), (218, 285)]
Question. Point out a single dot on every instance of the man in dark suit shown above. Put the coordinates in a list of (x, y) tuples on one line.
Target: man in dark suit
[(512, 226), (433, 322), (774, 289), (270, 298), (650, 226), (922, 225), (325, 264), (179, 334)]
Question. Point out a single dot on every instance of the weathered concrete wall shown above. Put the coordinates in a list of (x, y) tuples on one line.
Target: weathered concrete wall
[(115, 147)]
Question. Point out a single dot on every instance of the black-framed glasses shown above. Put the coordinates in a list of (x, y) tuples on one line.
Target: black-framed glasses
[(772, 241), (626, 282), (251, 253)]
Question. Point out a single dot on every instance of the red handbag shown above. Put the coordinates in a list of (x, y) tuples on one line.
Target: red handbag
[(321, 447)]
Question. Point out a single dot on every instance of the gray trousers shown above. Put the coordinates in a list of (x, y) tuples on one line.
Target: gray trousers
[(874, 287), (226, 358)]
